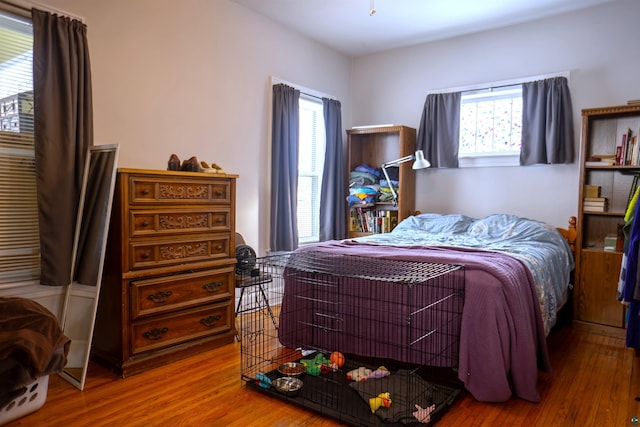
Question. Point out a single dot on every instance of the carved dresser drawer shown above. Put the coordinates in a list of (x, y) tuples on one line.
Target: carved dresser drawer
[(168, 286), (175, 221), (183, 326), (145, 189), (188, 249), (167, 294)]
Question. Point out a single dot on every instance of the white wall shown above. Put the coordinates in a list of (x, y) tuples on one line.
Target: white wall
[(599, 46), (192, 77)]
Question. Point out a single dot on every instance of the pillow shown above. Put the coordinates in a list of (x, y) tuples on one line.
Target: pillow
[(436, 223), (503, 226)]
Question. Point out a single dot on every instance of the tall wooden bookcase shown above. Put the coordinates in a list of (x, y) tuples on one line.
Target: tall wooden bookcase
[(597, 269), (375, 146)]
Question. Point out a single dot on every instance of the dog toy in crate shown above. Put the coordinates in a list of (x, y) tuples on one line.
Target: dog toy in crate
[(316, 366), (337, 360), (381, 372), (263, 381), (424, 414), (383, 399), (359, 374)]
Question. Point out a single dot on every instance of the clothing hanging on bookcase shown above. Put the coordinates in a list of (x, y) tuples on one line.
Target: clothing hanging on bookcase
[(628, 291)]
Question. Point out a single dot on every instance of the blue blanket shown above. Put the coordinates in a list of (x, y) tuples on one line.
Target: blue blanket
[(538, 245)]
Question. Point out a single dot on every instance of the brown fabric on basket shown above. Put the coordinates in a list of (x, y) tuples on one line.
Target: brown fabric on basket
[(31, 334)]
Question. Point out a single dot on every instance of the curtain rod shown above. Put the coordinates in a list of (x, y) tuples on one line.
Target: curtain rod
[(503, 83), (27, 5), (303, 90)]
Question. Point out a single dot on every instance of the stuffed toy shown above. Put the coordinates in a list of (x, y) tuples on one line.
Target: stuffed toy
[(381, 372), (383, 399), (359, 374), (263, 381), (424, 414), (316, 366)]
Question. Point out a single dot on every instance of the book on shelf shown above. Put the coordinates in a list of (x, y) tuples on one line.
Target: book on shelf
[(600, 162), (628, 151), (595, 208), (591, 191), (610, 242), (372, 221), (595, 204)]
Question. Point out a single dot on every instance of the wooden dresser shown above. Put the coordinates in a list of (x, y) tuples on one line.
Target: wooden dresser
[(168, 283)]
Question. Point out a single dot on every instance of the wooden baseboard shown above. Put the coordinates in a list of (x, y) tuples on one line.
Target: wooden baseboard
[(595, 328), (154, 359)]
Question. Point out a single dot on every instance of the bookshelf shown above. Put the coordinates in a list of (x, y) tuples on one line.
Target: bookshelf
[(374, 146), (606, 184)]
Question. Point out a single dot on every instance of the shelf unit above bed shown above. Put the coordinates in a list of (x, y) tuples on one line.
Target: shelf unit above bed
[(604, 194), (374, 146)]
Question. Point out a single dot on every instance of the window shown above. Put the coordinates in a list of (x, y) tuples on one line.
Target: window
[(310, 166), (19, 234), (490, 127)]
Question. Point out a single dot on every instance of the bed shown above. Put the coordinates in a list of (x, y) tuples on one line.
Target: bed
[(517, 276)]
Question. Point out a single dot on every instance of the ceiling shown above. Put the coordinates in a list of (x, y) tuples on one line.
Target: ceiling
[(348, 27)]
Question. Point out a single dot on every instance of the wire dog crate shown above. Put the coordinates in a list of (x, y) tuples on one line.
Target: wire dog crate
[(354, 338)]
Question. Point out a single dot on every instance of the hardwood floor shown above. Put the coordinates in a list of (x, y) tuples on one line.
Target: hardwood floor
[(594, 383)]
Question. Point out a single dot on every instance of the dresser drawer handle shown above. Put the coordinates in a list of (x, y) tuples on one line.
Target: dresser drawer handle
[(146, 255), (210, 321), (145, 191), (219, 220), (155, 333), (159, 297), (219, 193), (145, 223), (212, 287), (219, 247)]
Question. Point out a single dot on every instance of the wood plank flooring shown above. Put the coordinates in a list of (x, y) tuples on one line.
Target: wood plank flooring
[(594, 383)]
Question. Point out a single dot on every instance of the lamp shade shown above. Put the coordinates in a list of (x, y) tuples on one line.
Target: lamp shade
[(420, 162)]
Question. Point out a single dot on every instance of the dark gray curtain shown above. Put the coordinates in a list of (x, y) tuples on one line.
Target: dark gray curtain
[(63, 131), (334, 183), (547, 122), (439, 131), (284, 168)]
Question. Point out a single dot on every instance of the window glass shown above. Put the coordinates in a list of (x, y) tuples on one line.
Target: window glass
[(310, 165), (491, 122), (19, 234)]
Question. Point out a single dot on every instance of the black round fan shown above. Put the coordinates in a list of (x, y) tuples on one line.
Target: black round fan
[(246, 259)]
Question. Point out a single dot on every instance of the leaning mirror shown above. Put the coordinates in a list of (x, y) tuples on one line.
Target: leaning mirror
[(81, 299)]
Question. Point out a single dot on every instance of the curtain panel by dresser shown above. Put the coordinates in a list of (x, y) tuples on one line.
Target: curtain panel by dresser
[(547, 125), (63, 130)]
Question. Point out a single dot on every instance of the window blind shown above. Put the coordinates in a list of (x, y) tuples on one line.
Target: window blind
[(310, 162), (19, 234)]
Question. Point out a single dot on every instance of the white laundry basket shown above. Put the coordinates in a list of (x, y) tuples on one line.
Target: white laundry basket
[(29, 401)]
